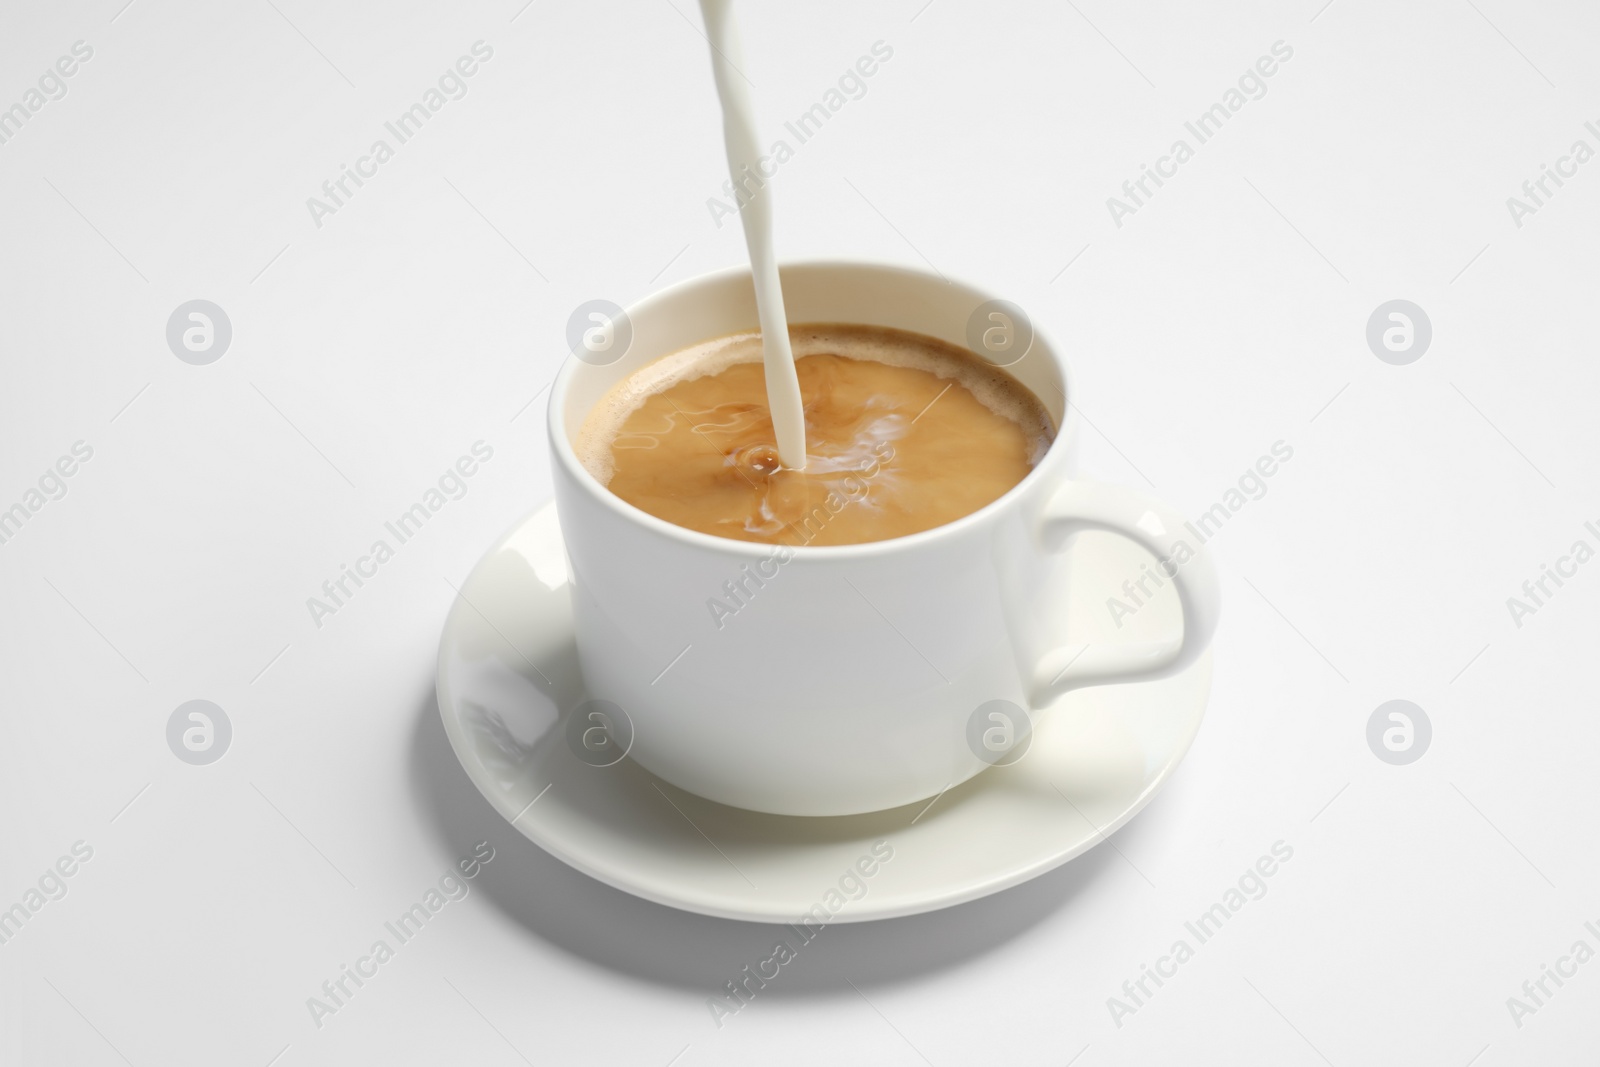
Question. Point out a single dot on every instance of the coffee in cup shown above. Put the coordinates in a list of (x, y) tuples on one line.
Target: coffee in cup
[(904, 433)]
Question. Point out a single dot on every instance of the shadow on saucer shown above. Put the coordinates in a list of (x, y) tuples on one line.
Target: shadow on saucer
[(698, 953)]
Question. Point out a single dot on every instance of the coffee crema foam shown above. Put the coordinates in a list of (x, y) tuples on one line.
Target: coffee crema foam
[(903, 433)]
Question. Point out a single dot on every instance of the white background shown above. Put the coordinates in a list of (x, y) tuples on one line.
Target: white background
[(367, 354)]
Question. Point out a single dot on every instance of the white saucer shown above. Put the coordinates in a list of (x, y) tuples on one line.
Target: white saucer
[(508, 667)]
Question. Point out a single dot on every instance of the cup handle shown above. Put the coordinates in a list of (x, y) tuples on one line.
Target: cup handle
[(1082, 505)]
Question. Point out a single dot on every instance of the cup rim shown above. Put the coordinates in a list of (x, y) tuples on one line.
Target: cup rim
[(562, 449)]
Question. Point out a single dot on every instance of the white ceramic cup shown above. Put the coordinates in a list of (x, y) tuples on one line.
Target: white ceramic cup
[(847, 678)]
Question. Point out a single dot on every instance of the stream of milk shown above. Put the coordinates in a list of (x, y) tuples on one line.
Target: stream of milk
[(739, 133)]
